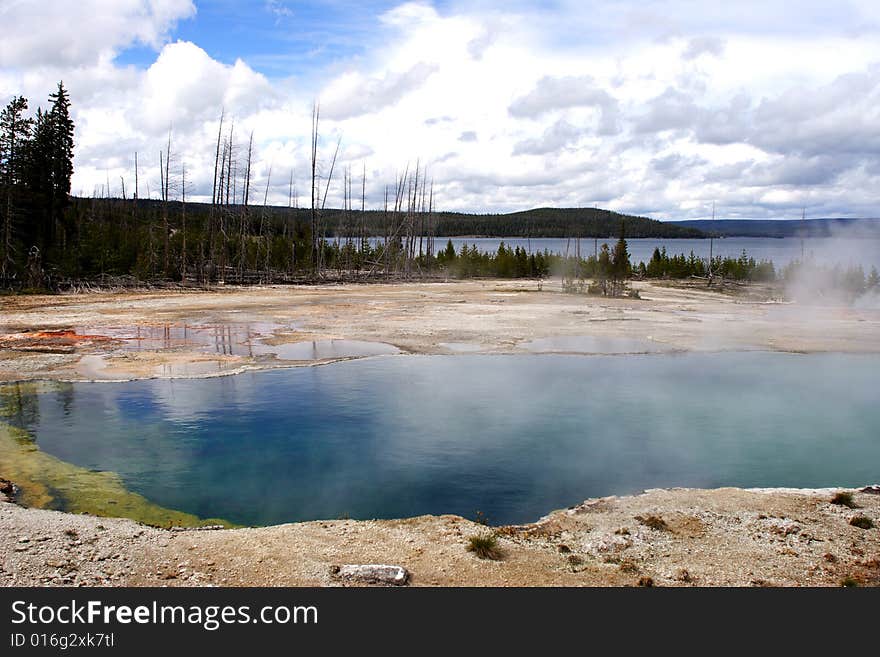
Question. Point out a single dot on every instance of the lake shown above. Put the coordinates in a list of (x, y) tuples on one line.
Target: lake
[(513, 436), (827, 251)]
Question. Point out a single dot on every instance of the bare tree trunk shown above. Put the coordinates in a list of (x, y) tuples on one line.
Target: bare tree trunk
[(229, 159), (314, 215), (165, 194), (217, 157), (385, 227), (244, 229), (324, 200), (264, 232), (363, 228), (291, 223), (183, 223), (215, 193)]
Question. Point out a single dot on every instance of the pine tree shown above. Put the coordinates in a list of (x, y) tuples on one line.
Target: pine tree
[(620, 266), (49, 170), (15, 133), (62, 143)]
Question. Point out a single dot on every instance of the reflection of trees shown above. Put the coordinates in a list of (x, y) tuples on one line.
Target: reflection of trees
[(20, 405), (64, 394)]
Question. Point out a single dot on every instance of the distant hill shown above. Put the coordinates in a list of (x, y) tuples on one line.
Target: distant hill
[(559, 222), (826, 227), (539, 222)]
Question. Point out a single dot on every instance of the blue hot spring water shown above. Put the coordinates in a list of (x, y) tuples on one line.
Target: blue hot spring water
[(511, 436)]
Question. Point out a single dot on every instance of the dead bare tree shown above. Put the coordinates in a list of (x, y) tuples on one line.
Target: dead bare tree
[(165, 177), (364, 245), (215, 191), (183, 222), (264, 228), (217, 157), (244, 223), (289, 225), (324, 201), (316, 110)]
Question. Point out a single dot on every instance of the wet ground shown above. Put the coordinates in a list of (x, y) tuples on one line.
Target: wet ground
[(193, 334)]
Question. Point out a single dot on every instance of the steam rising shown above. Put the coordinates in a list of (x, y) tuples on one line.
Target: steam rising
[(852, 279)]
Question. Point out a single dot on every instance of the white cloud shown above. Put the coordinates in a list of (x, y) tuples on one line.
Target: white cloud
[(656, 107), (559, 136), (555, 93), (61, 33), (703, 45), (353, 94)]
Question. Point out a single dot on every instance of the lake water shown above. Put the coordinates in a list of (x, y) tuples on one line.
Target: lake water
[(513, 436), (842, 251)]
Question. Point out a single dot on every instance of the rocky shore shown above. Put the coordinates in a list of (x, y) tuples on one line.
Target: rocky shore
[(678, 537), (683, 537)]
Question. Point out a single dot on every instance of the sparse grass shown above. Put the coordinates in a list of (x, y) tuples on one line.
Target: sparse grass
[(480, 518), (485, 546), (849, 581), (575, 560), (628, 567), (684, 576), (862, 522), (830, 558), (646, 582), (844, 498), (72, 533), (654, 522)]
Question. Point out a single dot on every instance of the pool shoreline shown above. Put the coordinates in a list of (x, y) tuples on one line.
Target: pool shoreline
[(661, 537), (78, 337), (736, 537)]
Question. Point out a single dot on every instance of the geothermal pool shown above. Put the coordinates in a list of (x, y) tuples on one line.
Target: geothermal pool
[(513, 436)]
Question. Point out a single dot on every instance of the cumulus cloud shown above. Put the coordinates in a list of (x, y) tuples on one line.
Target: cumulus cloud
[(555, 138), (556, 93), (670, 110), (634, 106), (703, 45), (62, 33), (353, 95), (186, 87)]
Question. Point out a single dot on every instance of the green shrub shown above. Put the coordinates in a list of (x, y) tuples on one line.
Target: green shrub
[(862, 522), (485, 546), (654, 522), (844, 498)]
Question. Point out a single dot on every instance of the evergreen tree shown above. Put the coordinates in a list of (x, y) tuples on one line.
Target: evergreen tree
[(49, 170), (15, 133), (449, 253), (62, 145), (620, 266)]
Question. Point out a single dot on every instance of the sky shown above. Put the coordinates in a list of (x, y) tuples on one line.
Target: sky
[(656, 108)]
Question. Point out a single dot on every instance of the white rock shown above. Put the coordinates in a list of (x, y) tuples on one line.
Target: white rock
[(373, 574)]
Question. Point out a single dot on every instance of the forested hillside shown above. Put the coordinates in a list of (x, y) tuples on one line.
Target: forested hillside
[(50, 239)]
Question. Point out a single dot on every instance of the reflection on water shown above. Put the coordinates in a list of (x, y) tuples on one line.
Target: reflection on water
[(461, 347), (593, 344), (323, 349), (230, 338), (864, 251), (513, 436)]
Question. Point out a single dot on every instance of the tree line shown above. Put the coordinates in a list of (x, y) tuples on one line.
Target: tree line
[(53, 240), (36, 165)]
